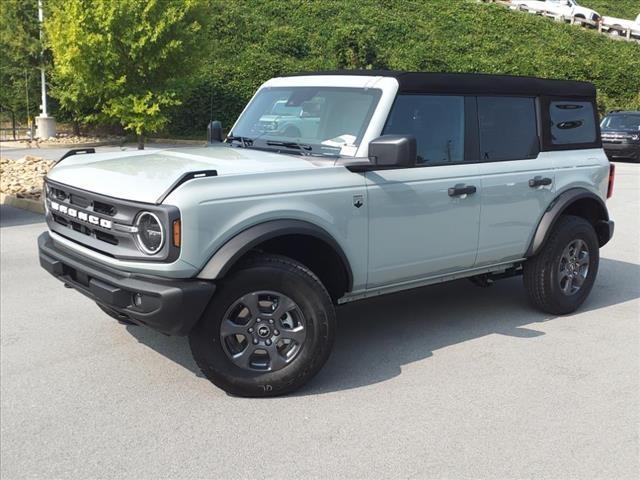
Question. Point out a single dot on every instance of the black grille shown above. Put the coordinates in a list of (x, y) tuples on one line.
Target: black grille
[(60, 220), (58, 194), (80, 201), (79, 227), (106, 237), (104, 208)]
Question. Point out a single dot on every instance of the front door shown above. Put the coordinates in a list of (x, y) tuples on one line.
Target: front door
[(424, 221)]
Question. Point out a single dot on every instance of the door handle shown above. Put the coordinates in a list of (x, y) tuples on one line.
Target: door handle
[(461, 190), (540, 182)]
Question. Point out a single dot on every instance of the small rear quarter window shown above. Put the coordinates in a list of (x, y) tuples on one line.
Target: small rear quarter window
[(572, 122)]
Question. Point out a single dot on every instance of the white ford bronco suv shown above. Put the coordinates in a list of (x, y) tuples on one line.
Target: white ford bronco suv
[(333, 187)]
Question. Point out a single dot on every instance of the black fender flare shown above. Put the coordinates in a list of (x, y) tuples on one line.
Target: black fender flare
[(557, 207), (227, 255)]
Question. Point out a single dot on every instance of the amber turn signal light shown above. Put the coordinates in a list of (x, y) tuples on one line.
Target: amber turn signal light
[(177, 233)]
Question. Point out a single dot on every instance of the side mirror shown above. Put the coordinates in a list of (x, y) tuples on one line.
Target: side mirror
[(393, 151), (214, 132)]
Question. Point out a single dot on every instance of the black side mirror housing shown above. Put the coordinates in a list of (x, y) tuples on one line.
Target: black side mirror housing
[(214, 132), (393, 151)]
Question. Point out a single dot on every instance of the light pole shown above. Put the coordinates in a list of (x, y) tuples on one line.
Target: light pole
[(46, 125)]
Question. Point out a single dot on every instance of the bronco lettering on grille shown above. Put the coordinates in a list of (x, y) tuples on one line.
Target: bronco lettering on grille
[(82, 216)]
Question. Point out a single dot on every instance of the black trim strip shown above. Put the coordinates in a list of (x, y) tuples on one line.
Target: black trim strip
[(555, 210), (75, 151), (226, 256), (185, 178)]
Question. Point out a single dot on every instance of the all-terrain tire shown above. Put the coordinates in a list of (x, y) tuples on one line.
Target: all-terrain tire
[(542, 276), (261, 273)]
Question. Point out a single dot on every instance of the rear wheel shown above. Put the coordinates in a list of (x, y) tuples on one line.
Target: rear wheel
[(268, 330), (616, 31), (561, 276)]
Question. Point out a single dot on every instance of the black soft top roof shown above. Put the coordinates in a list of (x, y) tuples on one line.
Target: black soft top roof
[(474, 83)]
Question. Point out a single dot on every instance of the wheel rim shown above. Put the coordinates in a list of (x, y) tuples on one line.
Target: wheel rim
[(574, 267), (263, 331)]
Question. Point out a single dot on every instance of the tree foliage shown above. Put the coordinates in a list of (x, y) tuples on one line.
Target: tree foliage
[(123, 60), (245, 43), (628, 9), (19, 57), (134, 61)]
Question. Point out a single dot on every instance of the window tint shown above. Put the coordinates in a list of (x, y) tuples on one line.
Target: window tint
[(437, 122), (572, 123), (508, 128)]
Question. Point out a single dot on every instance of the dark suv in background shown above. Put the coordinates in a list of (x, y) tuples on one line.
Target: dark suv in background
[(621, 135)]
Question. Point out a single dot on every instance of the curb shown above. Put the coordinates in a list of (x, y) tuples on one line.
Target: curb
[(78, 145), (176, 141), (114, 143), (34, 206)]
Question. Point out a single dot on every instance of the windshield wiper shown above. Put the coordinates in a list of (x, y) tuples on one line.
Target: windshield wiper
[(294, 145), (245, 141)]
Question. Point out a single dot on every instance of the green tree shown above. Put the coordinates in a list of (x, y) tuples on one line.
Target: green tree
[(19, 58), (123, 60)]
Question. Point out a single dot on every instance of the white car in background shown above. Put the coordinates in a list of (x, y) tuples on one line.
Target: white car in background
[(564, 8), (620, 26)]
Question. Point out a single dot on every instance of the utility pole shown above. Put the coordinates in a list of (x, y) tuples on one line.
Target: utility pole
[(46, 125)]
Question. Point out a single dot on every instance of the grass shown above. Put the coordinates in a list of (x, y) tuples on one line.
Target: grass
[(629, 9)]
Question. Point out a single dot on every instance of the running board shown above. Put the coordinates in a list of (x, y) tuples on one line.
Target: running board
[(398, 287)]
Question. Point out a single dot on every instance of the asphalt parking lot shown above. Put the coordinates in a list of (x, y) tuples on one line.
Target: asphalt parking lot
[(450, 381)]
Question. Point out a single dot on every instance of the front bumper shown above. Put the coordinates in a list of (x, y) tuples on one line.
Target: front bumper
[(622, 150), (170, 306)]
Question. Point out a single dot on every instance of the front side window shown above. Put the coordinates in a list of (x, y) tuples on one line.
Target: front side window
[(508, 128), (437, 122), (317, 120), (572, 122)]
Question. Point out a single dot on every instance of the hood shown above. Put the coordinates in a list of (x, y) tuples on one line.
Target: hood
[(145, 175), (631, 131)]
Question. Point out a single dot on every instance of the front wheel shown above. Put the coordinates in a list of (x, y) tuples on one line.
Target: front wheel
[(561, 276), (268, 330)]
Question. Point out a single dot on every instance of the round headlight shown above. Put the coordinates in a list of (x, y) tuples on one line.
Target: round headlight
[(150, 233)]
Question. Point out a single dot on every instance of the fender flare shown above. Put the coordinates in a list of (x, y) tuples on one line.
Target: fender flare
[(227, 255), (555, 209)]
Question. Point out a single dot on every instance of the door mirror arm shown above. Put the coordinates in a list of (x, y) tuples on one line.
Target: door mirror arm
[(393, 151)]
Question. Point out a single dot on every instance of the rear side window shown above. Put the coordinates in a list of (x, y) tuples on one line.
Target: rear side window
[(508, 128), (572, 122), (437, 122)]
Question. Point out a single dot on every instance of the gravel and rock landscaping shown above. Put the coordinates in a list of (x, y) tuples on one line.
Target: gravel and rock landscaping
[(23, 178), (66, 139)]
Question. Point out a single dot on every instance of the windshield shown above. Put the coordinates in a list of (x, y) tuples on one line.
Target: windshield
[(309, 120), (622, 122)]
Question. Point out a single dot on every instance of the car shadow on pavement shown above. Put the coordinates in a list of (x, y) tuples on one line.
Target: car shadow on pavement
[(377, 337), (12, 217)]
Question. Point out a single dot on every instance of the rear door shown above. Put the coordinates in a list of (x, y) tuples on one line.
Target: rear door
[(518, 182), (421, 221)]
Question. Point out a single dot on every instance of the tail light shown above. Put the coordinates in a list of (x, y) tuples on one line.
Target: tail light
[(612, 178)]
